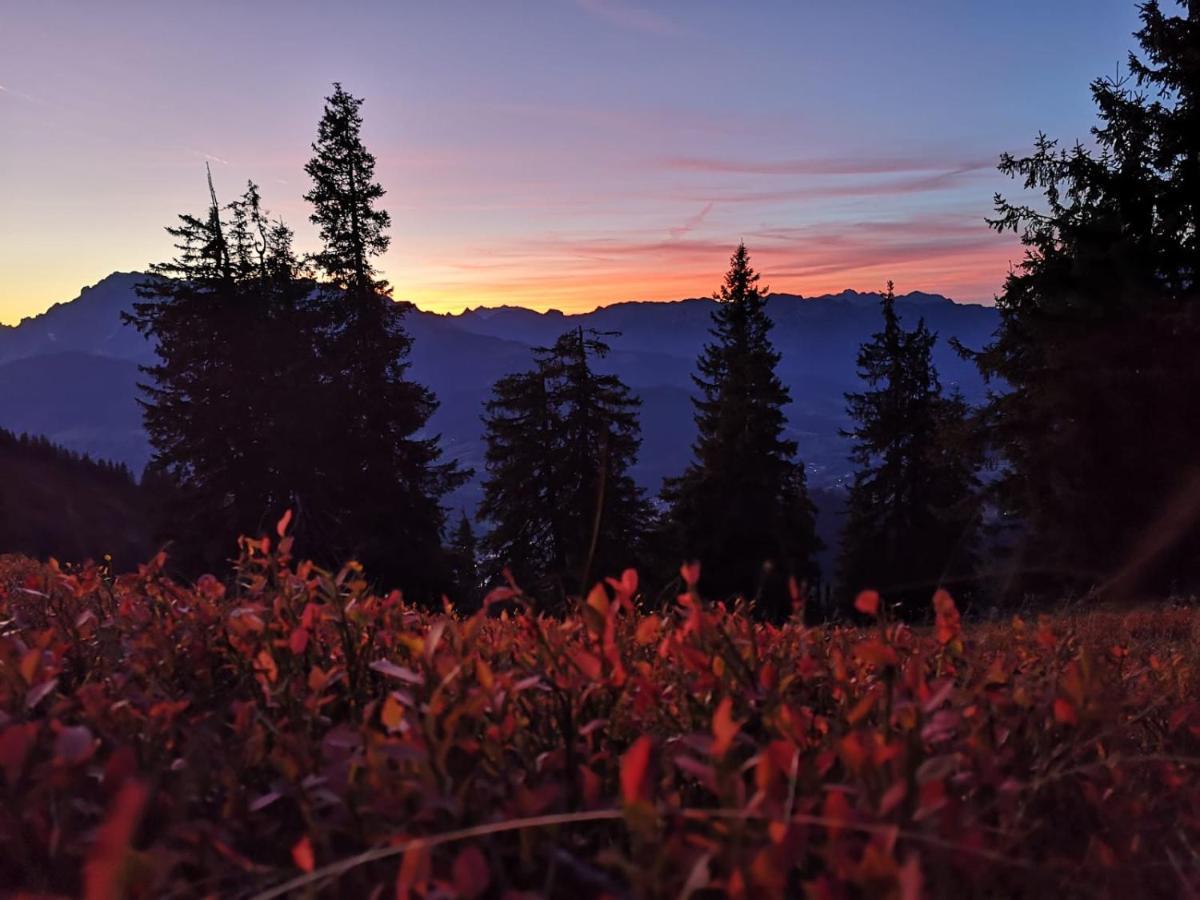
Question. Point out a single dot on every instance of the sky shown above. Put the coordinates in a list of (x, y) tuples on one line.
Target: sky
[(549, 153)]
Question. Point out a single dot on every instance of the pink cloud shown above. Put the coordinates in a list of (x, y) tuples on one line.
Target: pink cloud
[(630, 16), (840, 166)]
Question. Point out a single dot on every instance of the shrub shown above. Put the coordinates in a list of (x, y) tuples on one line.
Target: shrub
[(294, 730)]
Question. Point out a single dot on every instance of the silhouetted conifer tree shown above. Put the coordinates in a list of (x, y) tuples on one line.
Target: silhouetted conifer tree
[(223, 315), (560, 441), (912, 513), (742, 507), (382, 478), (1098, 400), (466, 584)]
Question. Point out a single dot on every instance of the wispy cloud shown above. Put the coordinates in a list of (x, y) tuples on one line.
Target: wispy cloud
[(831, 166), (20, 95), (691, 224), (207, 157), (867, 188), (630, 16)]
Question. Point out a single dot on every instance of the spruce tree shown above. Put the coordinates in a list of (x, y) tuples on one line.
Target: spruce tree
[(378, 494), (466, 588), (1098, 393), (228, 345), (742, 507), (561, 439), (912, 514)]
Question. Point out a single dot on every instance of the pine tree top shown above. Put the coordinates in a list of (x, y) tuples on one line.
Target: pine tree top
[(344, 194)]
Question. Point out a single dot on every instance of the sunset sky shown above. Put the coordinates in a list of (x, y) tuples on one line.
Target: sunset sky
[(549, 153)]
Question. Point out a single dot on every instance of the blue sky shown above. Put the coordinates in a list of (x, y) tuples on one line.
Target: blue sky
[(550, 153)]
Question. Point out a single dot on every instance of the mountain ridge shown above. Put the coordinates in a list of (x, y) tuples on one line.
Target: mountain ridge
[(81, 359)]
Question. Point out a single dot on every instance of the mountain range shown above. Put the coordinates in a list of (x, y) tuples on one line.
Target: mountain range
[(71, 373)]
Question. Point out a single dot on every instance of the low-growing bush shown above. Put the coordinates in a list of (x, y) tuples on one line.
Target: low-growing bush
[(294, 732)]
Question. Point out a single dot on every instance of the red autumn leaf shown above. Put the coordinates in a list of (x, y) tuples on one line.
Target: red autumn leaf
[(626, 587), (285, 520), (647, 630), (298, 640), (930, 798), (690, 573), (836, 812), (867, 603), (265, 663), (909, 878), (588, 663), (724, 728), (414, 870), (892, 797), (104, 870), (1064, 712), (471, 875), (302, 854), (797, 596), (635, 771), (948, 625)]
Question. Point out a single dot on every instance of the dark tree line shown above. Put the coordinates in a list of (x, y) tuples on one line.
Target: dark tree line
[(283, 383)]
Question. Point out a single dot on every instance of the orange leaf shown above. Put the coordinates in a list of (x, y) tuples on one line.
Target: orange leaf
[(284, 521), (867, 603), (302, 854), (265, 663), (635, 771), (392, 713), (414, 869), (483, 674), (724, 728), (29, 665), (948, 623), (598, 599)]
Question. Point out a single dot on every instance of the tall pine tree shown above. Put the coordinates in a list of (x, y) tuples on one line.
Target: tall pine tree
[(742, 507), (1098, 394), (561, 439), (912, 514), (382, 478)]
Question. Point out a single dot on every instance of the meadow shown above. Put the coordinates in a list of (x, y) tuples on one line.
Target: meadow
[(294, 733)]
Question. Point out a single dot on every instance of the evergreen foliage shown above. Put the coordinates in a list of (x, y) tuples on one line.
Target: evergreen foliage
[(379, 477), (561, 439), (742, 507), (911, 515), (1098, 394), (466, 585), (225, 316)]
